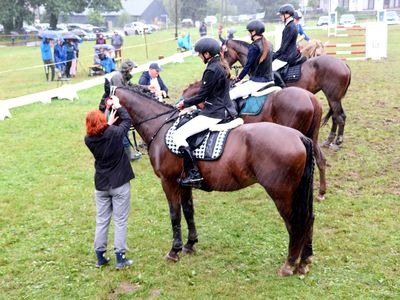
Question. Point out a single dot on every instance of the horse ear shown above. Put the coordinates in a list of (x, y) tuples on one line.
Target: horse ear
[(221, 39)]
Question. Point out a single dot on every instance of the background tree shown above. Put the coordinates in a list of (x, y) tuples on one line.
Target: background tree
[(194, 9), (271, 7), (14, 13), (95, 18)]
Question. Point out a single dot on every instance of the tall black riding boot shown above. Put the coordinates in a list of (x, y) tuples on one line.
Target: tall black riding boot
[(278, 79), (193, 177)]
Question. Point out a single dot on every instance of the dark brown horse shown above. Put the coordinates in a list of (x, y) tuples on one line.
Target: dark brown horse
[(322, 73), (292, 107), (277, 157)]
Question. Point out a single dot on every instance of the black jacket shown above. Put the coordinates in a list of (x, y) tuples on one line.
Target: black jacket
[(112, 165), (145, 80), (288, 50), (259, 72), (214, 92)]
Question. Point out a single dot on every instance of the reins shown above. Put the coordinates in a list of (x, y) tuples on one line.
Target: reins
[(167, 120)]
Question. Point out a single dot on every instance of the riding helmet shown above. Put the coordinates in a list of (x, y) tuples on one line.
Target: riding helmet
[(209, 45), (286, 9), (128, 65), (297, 15), (257, 26)]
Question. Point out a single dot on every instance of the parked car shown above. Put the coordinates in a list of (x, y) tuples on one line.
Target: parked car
[(29, 29), (1, 28), (134, 28), (348, 19), (152, 27), (210, 20), (323, 20), (391, 17), (187, 23)]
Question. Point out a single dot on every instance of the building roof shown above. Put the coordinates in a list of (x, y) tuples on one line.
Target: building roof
[(135, 7)]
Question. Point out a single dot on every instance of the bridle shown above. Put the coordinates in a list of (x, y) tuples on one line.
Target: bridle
[(167, 120)]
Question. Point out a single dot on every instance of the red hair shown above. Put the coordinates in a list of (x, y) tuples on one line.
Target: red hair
[(96, 122)]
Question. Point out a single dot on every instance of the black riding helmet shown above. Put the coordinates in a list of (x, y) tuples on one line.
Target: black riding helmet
[(257, 26), (286, 9), (209, 45)]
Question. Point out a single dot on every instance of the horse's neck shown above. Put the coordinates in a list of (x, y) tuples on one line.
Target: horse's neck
[(148, 116)]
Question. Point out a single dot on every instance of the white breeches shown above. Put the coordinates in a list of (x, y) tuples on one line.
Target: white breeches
[(277, 64), (192, 127), (245, 89)]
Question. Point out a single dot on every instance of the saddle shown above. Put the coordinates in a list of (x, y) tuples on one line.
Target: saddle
[(207, 144), (252, 105), (292, 71)]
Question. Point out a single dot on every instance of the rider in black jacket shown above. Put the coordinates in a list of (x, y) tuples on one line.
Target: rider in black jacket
[(287, 53), (214, 93)]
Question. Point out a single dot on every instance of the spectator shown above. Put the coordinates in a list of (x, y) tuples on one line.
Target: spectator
[(117, 41), (184, 42), (60, 57), (100, 40), (47, 57), (153, 81), (112, 181), (302, 35), (120, 78), (70, 55), (203, 29)]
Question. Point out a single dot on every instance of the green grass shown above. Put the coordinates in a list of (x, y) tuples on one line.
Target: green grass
[(47, 211)]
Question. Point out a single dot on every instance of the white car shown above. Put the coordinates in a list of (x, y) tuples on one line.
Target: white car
[(391, 17), (323, 20), (134, 28), (347, 19), (210, 20)]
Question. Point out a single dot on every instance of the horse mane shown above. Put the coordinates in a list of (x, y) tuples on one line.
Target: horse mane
[(191, 85), (242, 43), (138, 89)]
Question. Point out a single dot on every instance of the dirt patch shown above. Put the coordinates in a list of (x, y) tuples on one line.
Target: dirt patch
[(124, 288)]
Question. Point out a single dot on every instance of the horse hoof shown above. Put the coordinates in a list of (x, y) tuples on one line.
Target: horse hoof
[(334, 147), (285, 270), (174, 257), (320, 198), (302, 269), (188, 249)]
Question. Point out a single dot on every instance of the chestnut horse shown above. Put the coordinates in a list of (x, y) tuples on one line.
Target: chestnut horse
[(322, 73), (278, 158), (292, 107)]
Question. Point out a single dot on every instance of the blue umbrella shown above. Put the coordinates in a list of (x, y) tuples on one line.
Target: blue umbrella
[(71, 36), (49, 34), (103, 46)]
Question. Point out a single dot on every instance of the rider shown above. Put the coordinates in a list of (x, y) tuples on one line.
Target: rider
[(303, 36), (287, 53), (214, 93), (258, 64)]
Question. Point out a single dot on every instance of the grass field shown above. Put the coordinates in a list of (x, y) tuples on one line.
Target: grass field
[(47, 211)]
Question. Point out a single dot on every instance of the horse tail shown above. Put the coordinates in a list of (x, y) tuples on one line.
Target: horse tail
[(327, 116), (302, 206), (313, 131)]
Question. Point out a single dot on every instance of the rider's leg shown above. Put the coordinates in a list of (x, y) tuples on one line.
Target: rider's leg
[(192, 127)]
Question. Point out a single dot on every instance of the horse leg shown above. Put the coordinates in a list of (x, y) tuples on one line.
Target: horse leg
[(342, 123), (332, 134), (175, 215), (307, 253), (299, 218), (188, 212)]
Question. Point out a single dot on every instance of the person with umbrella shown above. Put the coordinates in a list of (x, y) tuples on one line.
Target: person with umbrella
[(60, 56), (47, 57)]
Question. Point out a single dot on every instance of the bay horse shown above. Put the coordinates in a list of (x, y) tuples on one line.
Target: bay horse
[(278, 158), (292, 107), (322, 73)]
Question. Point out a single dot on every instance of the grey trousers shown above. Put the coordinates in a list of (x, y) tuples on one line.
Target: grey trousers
[(114, 201)]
